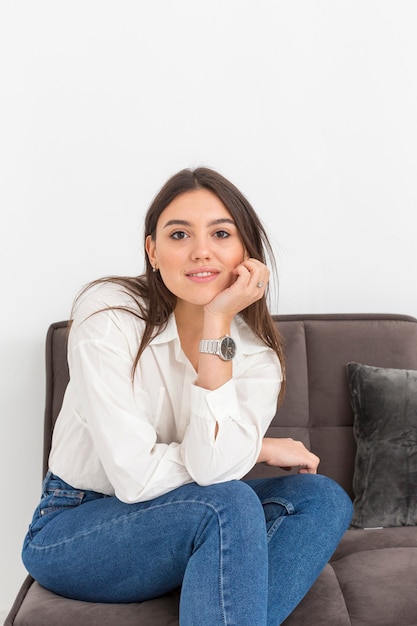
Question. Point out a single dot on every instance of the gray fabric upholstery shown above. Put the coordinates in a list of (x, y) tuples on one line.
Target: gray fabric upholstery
[(372, 577)]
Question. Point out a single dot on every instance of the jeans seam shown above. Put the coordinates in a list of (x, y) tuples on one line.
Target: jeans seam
[(221, 565), (271, 532)]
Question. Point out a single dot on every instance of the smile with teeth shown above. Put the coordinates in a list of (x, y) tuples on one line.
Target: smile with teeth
[(202, 274)]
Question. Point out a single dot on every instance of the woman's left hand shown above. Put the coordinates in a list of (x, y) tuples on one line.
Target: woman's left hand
[(288, 453)]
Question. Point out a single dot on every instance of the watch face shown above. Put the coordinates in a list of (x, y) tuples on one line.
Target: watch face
[(227, 348)]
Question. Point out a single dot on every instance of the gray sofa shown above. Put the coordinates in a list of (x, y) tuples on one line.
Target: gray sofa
[(372, 577)]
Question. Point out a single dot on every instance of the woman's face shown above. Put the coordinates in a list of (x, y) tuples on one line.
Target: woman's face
[(196, 247)]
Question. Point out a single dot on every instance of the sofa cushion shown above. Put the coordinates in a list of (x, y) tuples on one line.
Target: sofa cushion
[(42, 607), (370, 581), (384, 402)]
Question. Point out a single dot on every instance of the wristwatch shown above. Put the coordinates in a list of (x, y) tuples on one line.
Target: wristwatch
[(224, 347)]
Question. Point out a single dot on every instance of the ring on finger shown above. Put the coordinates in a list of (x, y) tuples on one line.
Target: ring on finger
[(260, 285)]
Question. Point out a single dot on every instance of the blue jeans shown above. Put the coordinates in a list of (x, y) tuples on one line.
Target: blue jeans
[(244, 553)]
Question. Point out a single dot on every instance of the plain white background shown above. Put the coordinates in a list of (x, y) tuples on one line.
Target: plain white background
[(308, 106)]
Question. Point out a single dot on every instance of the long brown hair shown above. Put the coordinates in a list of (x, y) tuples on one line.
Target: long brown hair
[(155, 302)]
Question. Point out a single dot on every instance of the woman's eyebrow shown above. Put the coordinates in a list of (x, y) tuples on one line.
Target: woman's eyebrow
[(177, 223), (220, 220)]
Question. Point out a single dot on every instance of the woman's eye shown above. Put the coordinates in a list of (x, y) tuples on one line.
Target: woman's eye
[(221, 234), (179, 234)]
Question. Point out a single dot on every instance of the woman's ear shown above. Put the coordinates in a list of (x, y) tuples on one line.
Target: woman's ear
[(150, 250)]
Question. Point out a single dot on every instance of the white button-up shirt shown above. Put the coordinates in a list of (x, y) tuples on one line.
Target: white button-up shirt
[(140, 439)]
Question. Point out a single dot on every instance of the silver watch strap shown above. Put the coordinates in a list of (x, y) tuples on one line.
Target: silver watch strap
[(209, 346)]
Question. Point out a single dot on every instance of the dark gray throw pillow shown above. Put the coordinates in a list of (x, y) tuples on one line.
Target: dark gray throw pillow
[(384, 403)]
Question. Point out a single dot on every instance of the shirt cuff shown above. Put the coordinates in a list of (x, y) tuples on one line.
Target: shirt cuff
[(215, 405)]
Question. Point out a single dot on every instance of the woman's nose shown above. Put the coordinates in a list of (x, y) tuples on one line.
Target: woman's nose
[(201, 248)]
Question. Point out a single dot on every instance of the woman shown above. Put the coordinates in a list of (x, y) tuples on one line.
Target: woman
[(174, 379)]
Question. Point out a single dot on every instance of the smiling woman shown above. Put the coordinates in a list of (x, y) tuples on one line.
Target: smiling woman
[(174, 380)]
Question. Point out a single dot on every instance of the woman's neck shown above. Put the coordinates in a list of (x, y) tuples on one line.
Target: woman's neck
[(189, 319), (190, 322)]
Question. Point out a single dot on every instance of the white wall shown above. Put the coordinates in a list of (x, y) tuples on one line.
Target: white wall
[(309, 106)]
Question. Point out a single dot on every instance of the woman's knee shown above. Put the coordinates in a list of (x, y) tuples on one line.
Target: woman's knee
[(235, 502), (231, 516)]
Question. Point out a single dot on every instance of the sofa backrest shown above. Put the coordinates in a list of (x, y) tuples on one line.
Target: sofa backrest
[(316, 408)]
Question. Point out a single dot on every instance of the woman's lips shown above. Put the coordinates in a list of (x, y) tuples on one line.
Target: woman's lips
[(203, 276)]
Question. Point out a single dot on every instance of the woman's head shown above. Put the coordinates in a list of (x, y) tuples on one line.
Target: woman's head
[(249, 226)]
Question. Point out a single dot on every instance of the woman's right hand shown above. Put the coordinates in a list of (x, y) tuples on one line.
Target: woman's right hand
[(287, 454)]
